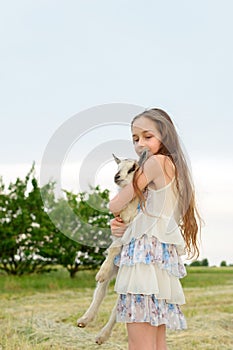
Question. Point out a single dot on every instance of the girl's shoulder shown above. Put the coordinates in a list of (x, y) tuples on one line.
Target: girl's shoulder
[(163, 168), (161, 160)]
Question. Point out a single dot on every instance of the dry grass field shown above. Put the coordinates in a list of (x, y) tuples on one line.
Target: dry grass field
[(40, 312)]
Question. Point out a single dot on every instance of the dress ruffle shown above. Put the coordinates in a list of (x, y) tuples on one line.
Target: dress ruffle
[(147, 280), (147, 308), (147, 266), (149, 250)]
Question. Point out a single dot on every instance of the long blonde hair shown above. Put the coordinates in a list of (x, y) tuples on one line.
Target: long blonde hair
[(170, 146)]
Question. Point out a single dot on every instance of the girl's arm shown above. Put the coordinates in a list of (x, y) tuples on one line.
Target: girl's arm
[(151, 170)]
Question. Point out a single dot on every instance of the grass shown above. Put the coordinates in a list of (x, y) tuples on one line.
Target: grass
[(206, 277), (40, 311), (54, 280)]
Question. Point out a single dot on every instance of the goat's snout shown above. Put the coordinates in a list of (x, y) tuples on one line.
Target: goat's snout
[(117, 177)]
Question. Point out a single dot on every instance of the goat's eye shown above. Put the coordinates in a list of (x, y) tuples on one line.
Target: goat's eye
[(132, 169)]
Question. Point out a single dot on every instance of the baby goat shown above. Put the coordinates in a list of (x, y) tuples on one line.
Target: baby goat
[(124, 175)]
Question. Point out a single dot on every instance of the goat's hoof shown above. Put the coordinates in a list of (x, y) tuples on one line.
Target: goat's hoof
[(81, 324), (100, 339)]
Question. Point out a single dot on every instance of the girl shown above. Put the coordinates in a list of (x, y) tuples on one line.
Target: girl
[(150, 293)]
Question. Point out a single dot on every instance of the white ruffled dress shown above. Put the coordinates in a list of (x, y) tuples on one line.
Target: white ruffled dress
[(150, 265)]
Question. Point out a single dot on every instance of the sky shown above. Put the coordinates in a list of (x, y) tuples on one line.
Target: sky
[(59, 59)]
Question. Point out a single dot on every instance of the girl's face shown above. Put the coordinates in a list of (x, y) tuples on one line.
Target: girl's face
[(145, 135)]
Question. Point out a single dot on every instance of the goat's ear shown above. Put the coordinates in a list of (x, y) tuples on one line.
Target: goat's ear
[(117, 160), (143, 157)]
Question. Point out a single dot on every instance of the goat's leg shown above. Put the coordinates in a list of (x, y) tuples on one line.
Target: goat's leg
[(107, 267), (98, 296), (105, 332)]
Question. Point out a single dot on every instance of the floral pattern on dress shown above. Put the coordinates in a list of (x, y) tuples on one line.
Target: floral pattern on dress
[(147, 308), (149, 250)]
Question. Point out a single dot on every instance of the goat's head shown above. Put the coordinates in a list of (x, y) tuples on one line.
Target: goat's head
[(127, 168)]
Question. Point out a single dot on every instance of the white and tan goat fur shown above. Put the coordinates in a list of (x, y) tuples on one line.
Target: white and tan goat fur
[(124, 176)]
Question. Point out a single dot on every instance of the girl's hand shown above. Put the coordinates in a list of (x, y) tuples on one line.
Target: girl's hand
[(118, 227)]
